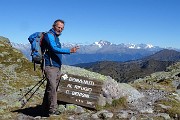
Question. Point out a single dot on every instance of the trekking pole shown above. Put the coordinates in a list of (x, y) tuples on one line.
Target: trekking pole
[(40, 82), (31, 89), (33, 94)]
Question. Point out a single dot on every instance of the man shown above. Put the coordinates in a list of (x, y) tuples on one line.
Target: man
[(52, 63)]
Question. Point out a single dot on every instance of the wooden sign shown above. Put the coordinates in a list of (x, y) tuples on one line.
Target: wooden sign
[(79, 90)]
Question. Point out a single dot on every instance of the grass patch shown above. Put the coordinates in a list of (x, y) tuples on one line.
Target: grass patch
[(174, 109), (120, 103), (163, 84)]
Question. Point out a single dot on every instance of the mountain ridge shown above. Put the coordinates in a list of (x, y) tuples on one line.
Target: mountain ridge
[(100, 51), (134, 69)]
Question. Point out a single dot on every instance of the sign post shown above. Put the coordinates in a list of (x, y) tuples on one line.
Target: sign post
[(79, 90)]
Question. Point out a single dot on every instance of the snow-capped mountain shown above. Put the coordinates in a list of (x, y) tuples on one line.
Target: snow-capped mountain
[(100, 51), (102, 43), (140, 46)]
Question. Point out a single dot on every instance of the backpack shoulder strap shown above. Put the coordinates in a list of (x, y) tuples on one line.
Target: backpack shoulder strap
[(46, 50), (50, 33)]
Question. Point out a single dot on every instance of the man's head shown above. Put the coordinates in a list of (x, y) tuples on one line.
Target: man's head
[(58, 26)]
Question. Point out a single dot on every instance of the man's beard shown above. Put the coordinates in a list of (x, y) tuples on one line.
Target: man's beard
[(58, 34)]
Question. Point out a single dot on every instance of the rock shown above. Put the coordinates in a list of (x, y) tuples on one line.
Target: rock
[(71, 117), (5, 40), (178, 91), (101, 114), (61, 108), (164, 106), (113, 90), (122, 114), (84, 116), (164, 115), (101, 100), (128, 90), (79, 109), (94, 116), (178, 87), (133, 118), (146, 110), (107, 115)]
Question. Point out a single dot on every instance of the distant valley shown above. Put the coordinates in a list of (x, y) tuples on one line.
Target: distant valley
[(131, 70)]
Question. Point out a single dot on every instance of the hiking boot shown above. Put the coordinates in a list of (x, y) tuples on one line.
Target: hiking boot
[(54, 113)]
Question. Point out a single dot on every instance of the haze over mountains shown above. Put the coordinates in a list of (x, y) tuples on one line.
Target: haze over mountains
[(100, 51)]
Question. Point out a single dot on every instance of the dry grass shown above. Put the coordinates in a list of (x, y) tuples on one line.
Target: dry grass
[(120, 103), (173, 108)]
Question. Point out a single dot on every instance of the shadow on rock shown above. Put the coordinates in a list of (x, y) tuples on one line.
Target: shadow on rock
[(33, 111)]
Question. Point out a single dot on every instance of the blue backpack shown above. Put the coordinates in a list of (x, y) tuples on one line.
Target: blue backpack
[(36, 40)]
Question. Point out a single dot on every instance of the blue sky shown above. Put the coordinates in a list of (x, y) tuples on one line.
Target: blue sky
[(155, 22)]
